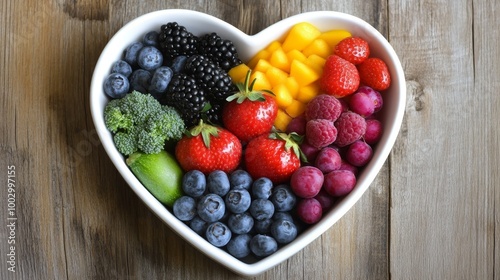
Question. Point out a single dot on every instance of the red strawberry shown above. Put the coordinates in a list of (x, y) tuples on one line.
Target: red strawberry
[(353, 49), (249, 113), (374, 73), (273, 155), (340, 77), (209, 148)]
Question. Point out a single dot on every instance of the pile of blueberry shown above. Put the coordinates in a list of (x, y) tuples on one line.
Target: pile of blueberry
[(234, 212)]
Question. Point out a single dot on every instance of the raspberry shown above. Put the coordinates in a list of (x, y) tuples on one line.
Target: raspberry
[(320, 133), (323, 106), (350, 127)]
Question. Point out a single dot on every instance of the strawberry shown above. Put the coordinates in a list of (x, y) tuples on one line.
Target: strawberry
[(374, 73), (274, 155), (353, 49), (208, 148), (249, 113), (340, 77)]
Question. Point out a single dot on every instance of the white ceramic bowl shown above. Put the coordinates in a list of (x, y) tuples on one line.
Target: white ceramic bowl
[(199, 23)]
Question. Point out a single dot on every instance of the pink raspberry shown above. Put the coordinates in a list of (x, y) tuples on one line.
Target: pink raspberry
[(323, 106), (350, 127), (320, 133)]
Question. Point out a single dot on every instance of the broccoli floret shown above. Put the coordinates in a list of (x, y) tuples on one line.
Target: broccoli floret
[(140, 123)]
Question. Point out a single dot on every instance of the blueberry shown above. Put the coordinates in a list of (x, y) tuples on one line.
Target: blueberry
[(218, 234), (116, 85), (240, 179), (240, 223), (263, 226), (178, 63), (283, 198), (184, 208), (282, 215), (283, 231), (149, 58), (218, 182), (122, 67), (239, 245), (238, 201), (150, 39), (262, 209), (263, 245), (262, 188), (194, 183), (139, 80), (160, 80), (198, 225), (211, 208), (131, 53)]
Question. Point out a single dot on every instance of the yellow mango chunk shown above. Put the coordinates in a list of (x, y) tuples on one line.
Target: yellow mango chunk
[(276, 76), (238, 73), (282, 120), (263, 54), (316, 62), (307, 93), (300, 36), (303, 73), (261, 81), (295, 109), (318, 47), (282, 96), (280, 60), (262, 65), (273, 46), (333, 37), (292, 86), (296, 55)]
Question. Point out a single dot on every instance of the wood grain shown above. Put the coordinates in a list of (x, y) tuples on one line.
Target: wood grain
[(431, 213)]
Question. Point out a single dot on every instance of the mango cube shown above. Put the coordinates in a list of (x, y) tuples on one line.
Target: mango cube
[(316, 62), (296, 55), (303, 73), (295, 109), (276, 76), (261, 81), (307, 93), (282, 96), (238, 73), (282, 120), (280, 60), (263, 54), (292, 86), (318, 47), (300, 36), (262, 65), (273, 46), (333, 37)]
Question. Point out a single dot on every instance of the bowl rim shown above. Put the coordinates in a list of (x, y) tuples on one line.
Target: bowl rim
[(380, 156)]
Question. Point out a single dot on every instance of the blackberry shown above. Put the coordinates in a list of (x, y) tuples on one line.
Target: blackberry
[(175, 40), (210, 77), (184, 94), (221, 51)]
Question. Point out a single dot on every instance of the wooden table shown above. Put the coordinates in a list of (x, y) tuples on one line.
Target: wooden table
[(433, 212)]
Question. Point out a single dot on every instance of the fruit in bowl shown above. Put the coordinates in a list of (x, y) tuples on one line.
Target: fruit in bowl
[(297, 60)]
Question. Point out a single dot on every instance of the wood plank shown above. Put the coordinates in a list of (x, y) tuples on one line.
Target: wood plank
[(442, 201)]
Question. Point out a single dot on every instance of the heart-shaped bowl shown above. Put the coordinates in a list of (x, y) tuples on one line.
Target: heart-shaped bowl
[(247, 46)]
